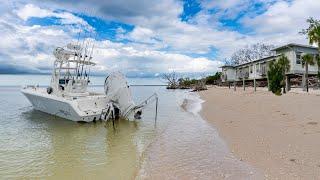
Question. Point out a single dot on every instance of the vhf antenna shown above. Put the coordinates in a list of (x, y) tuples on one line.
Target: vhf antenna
[(93, 44), (76, 52), (82, 45), (85, 53)]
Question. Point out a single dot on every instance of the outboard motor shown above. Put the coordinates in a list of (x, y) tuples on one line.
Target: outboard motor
[(49, 90), (117, 89)]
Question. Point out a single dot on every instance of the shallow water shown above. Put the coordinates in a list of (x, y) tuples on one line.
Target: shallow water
[(37, 145), (179, 145)]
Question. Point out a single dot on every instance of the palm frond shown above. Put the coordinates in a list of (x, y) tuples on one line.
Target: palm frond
[(307, 59)]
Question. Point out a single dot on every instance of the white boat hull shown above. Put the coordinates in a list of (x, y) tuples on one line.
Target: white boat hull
[(58, 106)]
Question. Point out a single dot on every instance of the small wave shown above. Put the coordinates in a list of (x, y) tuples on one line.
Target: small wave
[(192, 103)]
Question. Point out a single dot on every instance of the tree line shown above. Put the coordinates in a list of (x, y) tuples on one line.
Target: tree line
[(176, 82)]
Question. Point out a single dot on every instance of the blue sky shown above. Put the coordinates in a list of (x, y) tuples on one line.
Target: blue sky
[(147, 37)]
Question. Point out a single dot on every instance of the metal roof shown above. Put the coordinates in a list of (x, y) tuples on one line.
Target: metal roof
[(226, 66), (294, 45), (244, 64), (262, 59)]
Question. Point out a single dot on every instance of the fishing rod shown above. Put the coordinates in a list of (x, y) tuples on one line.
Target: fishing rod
[(93, 45), (93, 41), (76, 52), (84, 58), (84, 39), (87, 51)]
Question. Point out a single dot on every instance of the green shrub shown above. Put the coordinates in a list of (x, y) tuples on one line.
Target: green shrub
[(276, 77), (213, 79)]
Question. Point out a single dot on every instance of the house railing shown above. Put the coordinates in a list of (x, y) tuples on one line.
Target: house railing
[(242, 75)]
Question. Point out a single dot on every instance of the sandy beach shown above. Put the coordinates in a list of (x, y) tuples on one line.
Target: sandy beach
[(278, 135)]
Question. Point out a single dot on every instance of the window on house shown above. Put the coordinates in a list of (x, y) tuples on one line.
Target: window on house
[(298, 58)]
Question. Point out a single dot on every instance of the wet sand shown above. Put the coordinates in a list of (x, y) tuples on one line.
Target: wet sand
[(278, 135), (190, 148)]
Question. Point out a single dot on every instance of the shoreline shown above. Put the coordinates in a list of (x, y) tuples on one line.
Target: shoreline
[(277, 135), (205, 153)]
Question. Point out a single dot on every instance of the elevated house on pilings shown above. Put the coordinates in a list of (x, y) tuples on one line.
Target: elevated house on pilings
[(255, 72)]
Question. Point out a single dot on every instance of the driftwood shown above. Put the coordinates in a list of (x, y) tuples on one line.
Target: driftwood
[(200, 85), (172, 80)]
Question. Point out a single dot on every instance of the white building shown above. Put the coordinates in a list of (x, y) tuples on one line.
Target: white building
[(257, 70)]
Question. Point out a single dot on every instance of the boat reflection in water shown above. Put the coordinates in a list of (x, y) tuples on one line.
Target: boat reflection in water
[(80, 150)]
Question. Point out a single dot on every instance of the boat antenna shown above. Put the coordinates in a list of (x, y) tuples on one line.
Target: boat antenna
[(84, 58), (81, 50), (90, 57), (92, 48), (76, 52), (81, 54), (86, 49), (93, 45), (88, 52)]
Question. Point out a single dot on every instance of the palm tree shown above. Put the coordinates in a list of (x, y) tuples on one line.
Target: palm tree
[(307, 59), (318, 63), (314, 37), (313, 33), (284, 63)]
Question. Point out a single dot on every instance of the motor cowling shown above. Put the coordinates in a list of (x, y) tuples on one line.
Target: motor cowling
[(117, 89)]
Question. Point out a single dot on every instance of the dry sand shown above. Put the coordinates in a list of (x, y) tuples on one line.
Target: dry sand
[(278, 135)]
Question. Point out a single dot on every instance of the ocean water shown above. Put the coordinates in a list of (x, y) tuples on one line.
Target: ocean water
[(179, 145)]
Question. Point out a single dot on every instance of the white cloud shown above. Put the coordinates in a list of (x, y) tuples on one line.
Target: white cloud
[(222, 4), (66, 18), (160, 41), (283, 17), (118, 56), (144, 35), (29, 46), (282, 21), (32, 46), (31, 10), (160, 29)]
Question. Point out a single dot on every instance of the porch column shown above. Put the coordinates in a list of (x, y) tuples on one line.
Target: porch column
[(268, 83), (288, 86), (243, 83)]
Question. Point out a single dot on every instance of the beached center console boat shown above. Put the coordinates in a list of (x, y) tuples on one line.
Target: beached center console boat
[(68, 96)]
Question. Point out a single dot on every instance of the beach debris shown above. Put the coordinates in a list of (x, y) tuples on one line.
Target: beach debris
[(293, 160), (174, 82), (312, 123)]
